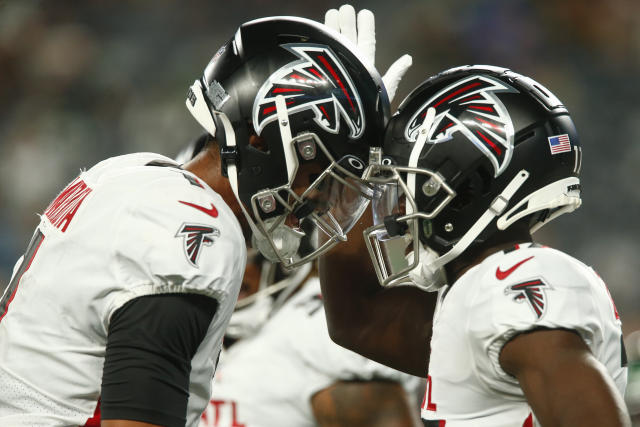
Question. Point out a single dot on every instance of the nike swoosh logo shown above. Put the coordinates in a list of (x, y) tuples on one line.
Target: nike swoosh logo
[(501, 275), (209, 211)]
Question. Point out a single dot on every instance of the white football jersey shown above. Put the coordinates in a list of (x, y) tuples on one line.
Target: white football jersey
[(506, 294), (121, 230), (269, 379)]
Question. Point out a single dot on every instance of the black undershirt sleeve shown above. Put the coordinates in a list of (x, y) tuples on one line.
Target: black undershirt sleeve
[(151, 342)]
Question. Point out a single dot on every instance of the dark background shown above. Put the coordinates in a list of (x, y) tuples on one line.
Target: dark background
[(85, 80)]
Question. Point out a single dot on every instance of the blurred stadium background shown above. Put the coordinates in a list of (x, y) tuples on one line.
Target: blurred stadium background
[(82, 81)]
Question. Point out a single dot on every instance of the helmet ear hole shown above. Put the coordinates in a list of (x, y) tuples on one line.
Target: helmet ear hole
[(255, 141), (524, 136), (291, 38), (475, 185), (486, 178), (259, 143)]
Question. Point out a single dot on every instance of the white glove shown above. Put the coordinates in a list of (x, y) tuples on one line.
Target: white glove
[(364, 37)]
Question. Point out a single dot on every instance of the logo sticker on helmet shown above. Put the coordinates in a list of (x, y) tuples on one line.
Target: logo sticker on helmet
[(317, 81), (471, 107)]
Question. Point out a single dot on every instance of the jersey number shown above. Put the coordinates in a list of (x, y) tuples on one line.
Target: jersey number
[(29, 255), (430, 405)]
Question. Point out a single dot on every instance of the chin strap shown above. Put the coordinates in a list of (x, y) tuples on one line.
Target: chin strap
[(495, 209), (232, 172), (197, 105), (291, 281), (290, 285), (265, 244)]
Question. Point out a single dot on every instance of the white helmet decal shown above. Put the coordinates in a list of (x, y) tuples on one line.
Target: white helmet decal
[(471, 107), (317, 81)]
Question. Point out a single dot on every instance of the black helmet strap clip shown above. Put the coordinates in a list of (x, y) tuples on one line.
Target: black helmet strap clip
[(228, 155)]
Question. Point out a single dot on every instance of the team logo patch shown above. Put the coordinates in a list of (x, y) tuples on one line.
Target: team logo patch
[(533, 293), (194, 237), (471, 107), (317, 81)]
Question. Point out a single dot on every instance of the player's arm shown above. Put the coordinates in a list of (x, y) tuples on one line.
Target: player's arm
[(150, 345), (366, 403), (563, 382), (389, 325)]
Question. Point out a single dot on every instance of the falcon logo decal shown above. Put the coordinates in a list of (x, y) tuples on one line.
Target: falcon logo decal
[(531, 291), (317, 81), (471, 107), (195, 236)]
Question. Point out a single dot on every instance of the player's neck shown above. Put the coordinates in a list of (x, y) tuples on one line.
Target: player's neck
[(476, 254), (206, 166)]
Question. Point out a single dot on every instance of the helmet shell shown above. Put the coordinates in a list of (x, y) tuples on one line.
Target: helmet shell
[(490, 124), (329, 90)]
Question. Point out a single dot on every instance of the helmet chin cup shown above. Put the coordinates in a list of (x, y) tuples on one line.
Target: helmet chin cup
[(282, 242), (426, 275)]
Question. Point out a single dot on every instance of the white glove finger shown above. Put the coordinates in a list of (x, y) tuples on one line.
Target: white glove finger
[(367, 35), (348, 22), (331, 19), (394, 74)]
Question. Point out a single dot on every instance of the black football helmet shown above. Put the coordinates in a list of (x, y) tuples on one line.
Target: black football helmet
[(476, 149), (282, 93)]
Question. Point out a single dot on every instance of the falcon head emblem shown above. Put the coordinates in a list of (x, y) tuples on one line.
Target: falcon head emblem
[(471, 107), (194, 237), (532, 292), (316, 81)]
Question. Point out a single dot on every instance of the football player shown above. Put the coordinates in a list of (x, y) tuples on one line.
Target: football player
[(518, 334), (283, 370), (116, 312)]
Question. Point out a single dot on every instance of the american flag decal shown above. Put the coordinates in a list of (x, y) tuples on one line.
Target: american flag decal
[(194, 237), (559, 144), (531, 291)]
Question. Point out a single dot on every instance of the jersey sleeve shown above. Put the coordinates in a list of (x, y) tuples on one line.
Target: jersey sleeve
[(150, 345), (551, 290), (174, 237)]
